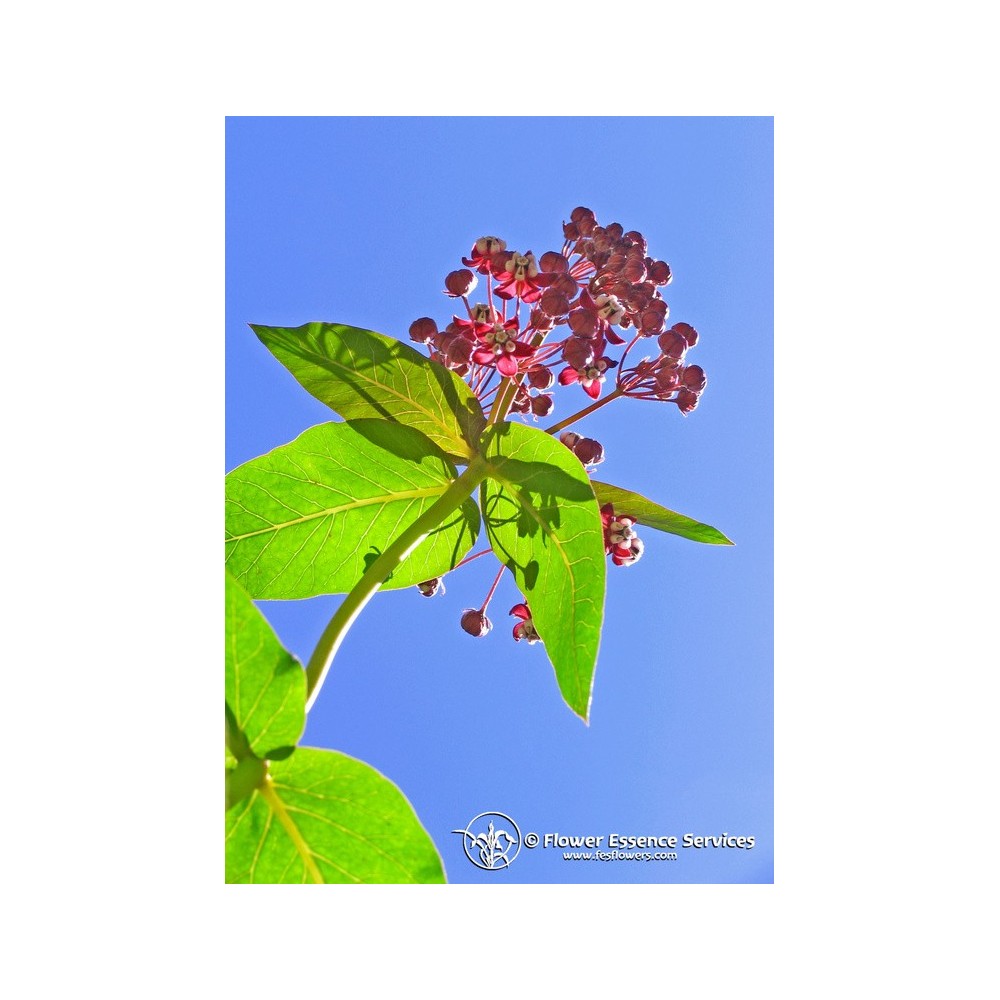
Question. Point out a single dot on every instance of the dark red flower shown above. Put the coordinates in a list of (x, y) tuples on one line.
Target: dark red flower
[(431, 587), (525, 628)]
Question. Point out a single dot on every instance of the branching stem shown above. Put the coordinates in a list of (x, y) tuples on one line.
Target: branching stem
[(379, 570)]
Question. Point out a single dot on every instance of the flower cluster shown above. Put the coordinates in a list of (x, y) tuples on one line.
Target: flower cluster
[(556, 319), (620, 540)]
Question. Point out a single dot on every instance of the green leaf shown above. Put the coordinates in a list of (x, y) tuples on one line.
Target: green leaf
[(362, 374), (651, 514), (545, 525), (310, 516), (322, 816), (265, 684)]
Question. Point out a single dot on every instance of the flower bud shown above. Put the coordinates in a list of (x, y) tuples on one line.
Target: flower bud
[(577, 353), (583, 323), (476, 623), (659, 272), (541, 321), (569, 438), (521, 402), (554, 302), (460, 282), (431, 587), (566, 284), (672, 344), (541, 406), (553, 263), (456, 349), (581, 213), (541, 378), (687, 331), (589, 451), (634, 270), (636, 239), (686, 400), (694, 378), (423, 330)]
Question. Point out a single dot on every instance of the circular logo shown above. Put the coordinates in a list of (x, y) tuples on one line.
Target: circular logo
[(491, 840)]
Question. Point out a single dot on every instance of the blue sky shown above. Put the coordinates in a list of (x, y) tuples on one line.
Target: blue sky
[(357, 221)]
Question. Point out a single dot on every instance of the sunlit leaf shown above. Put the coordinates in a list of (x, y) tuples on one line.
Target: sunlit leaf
[(361, 374), (544, 524), (310, 516), (265, 685), (322, 816)]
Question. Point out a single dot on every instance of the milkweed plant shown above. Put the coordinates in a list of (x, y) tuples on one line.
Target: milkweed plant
[(439, 445)]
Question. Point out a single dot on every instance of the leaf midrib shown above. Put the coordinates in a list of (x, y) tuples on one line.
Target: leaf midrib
[(333, 365), (527, 505), (384, 499)]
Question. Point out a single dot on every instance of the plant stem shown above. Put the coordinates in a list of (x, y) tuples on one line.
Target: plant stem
[(379, 570), (582, 413)]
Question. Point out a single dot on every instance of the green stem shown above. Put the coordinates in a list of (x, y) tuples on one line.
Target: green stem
[(579, 415), (379, 570), (509, 386)]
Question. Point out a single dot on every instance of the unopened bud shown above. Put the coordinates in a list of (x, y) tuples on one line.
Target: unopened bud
[(554, 302), (687, 331), (521, 403), (686, 400), (431, 587), (540, 378), (476, 623), (583, 323), (581, 213), (423, 330), (540, 321), (672, 344), (659, 272), (577, 353), (694, 378), (589, 451), (552, 262), (460, 282), (541, 406)]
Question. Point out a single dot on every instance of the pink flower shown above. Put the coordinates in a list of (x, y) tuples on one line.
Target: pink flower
[(525, 628), (589, 376), (620, 539), (520, 278), (499, 345), (480, 257)]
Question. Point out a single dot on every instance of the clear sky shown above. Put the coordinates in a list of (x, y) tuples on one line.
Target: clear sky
[(357, 221)]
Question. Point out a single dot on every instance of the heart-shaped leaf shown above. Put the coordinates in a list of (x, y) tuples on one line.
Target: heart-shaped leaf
[(308, 517), (545, 525), (321, 816), (362, 374)]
